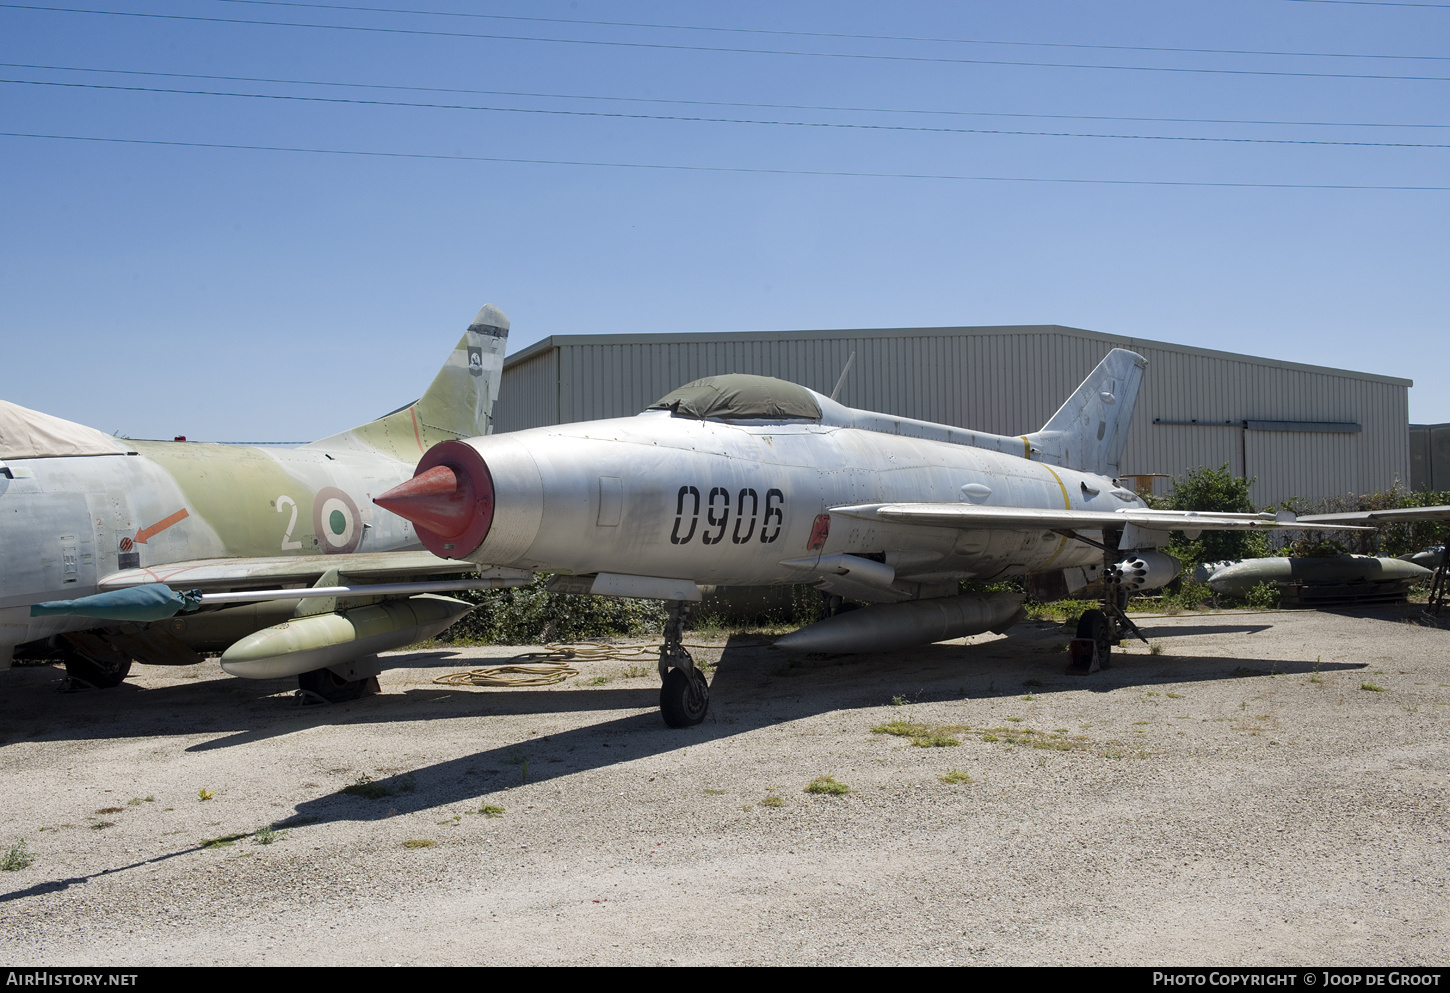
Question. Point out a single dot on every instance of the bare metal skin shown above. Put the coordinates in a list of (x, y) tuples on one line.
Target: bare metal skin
[(748, 481)]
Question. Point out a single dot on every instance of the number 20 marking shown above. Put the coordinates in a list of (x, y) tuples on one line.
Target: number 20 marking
[(717, 507)]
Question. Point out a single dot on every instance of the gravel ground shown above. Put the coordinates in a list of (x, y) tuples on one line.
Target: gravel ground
[(1240, 797)]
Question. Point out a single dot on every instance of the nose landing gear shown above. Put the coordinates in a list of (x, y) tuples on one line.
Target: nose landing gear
[(684, 691)]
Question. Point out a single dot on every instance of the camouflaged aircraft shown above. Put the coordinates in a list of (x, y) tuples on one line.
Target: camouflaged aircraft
[(746, 480), (286, 567)]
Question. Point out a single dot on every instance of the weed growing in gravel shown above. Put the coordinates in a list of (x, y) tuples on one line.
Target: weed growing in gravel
[(1155, 649), (490, 810), (922, 735), (136, 801), (710, 792), (827, 786), (771, 800), (111, 810), (266, 835), (1052, 741), (899, 701), (17, 858), (365, 786), (225, 841), (99, 825), (419, 843), (1372, 687), (955, 777), (204, 794)]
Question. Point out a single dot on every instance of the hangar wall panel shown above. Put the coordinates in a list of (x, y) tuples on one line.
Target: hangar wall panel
[(1430, 456), (1008, 380)]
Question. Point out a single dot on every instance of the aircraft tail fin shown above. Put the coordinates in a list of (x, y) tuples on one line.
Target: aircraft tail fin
[(1088, 432), (459, 403)]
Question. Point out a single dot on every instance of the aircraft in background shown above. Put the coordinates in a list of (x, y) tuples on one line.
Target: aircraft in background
[(287, 566), (747, 480)]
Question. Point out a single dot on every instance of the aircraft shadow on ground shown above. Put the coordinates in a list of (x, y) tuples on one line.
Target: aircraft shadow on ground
[(752, 687), (1179, 631)]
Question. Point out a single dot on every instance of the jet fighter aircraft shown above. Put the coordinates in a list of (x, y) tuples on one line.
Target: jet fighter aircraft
[(748, 480), (293, 571)]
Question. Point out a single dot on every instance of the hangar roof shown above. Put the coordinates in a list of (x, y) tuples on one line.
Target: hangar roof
[(1112, 340)]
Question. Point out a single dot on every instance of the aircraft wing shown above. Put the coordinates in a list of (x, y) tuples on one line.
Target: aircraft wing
[(972, 516), (367, 567), (1380, 516), (156, 593)]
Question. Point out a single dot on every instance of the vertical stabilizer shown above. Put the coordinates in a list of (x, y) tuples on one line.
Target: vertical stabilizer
[(1089, 431), (459, 404)]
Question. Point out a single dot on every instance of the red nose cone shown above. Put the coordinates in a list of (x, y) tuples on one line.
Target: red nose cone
[(449, 499), (440, 500)]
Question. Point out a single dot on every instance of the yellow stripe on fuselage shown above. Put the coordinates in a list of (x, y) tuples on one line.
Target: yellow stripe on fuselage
[(1066, 505)]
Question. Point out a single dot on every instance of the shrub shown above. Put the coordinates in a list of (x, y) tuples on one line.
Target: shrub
[(531, 615)]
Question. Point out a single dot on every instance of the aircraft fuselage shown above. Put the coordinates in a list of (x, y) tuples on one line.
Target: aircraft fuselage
[(749, 503), (68, 523)]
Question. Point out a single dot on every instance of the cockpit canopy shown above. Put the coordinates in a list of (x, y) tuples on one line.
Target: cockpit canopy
[(738, 397), (29, 434)]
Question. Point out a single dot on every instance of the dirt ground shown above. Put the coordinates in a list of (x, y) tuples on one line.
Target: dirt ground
[(1258, 788)]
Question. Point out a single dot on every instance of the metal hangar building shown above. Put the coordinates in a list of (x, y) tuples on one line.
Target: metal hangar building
[(1297, 430)]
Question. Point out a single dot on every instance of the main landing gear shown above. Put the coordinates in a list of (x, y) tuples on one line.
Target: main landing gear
[(684, 692), (102, 673), (1099, 630)]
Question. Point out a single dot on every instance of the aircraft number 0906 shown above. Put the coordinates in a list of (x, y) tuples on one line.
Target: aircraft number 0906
[(717, 505)]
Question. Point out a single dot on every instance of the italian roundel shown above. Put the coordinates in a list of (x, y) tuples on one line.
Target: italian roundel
[(335, 521)]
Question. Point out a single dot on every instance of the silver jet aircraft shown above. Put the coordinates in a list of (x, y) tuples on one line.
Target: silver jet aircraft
[(747, 480), (292, 570)]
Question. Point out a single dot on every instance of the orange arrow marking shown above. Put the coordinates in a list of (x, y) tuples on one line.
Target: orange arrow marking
[(147, 533)]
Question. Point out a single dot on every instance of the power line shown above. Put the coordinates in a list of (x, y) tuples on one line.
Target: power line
[(729, 169), (735, 51), (722, 103), (712, 120), (829, 34), (1378, 3)]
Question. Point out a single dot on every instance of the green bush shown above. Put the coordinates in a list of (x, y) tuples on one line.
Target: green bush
[(1264, 596), (531, 615), (1396, 539), (1216, 490)]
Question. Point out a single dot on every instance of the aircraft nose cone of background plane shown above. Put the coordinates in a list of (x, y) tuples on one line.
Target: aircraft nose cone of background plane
[(449, 500)]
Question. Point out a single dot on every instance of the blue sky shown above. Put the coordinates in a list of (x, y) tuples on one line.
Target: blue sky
[(158, 284)]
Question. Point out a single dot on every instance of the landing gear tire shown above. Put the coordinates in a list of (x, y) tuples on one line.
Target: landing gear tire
[(1094, 624), (684, 698), (330, 686), (101, 675)]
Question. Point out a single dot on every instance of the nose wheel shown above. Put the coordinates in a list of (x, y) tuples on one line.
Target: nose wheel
[(684, 691), (684, 698)]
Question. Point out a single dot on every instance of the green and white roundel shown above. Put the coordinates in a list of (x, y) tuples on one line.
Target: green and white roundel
[(335, 521)]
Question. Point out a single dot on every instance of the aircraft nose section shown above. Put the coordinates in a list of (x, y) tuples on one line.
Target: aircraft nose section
[(449, 500)]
